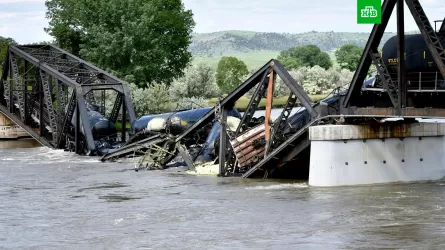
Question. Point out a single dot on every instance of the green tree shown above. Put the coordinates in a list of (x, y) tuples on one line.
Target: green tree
[(230, 73), (146, 39), (304, 56), (198, 81), (65, 23), (348, 56), (5, 42), (44, 43)]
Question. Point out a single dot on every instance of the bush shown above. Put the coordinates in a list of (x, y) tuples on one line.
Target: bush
[(152, 100), (192, 103), (315, 80), (197, 82)]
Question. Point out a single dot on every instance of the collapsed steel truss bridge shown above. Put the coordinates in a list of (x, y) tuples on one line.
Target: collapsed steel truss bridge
[(46, 90), (239, 153)]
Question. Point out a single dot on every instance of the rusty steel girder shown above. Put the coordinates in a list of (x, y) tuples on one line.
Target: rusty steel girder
[(393, 112)]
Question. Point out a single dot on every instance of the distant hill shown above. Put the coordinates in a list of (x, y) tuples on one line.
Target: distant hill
[(256, 48)]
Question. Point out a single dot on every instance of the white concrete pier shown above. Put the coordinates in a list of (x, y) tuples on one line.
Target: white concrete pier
[(364, 154), (9, 130)]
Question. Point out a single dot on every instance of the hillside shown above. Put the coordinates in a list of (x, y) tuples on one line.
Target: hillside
[(256, 48)]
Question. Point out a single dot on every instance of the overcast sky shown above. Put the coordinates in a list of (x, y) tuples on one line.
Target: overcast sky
[(24, 20)]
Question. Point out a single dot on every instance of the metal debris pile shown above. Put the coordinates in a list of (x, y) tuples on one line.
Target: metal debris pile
[(240, 145)]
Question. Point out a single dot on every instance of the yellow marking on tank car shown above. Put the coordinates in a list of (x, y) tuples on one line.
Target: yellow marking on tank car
[(393, 60)]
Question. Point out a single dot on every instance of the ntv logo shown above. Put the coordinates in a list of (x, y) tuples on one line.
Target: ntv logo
[(369, 11)]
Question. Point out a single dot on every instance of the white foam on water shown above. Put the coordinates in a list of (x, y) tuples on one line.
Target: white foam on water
[(117, 221), (45, 155), (280, 186)]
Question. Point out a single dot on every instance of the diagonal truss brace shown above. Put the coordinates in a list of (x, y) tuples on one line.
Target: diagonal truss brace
[(365, 61), (18, 89), (5, 92), (388, 84), (49, 104), (432, 40), (280, 123), (254, 102)]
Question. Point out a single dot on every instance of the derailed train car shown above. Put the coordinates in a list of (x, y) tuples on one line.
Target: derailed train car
[(104, 132), (165, 125), (173, 139), (176, 122)]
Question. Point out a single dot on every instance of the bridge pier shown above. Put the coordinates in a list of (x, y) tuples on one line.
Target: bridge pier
[(370, 154), (9, 130)]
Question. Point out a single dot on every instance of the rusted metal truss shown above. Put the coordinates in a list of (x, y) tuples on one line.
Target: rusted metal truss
[(252, 147), (243, 143), (44, 88), (241, 149), (428, 113)]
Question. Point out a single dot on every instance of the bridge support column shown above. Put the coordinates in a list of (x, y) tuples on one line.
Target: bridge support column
[(9, 130), (370, 154)]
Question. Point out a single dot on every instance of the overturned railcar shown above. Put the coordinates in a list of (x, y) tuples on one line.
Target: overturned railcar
[(104, 132), (150, 130)]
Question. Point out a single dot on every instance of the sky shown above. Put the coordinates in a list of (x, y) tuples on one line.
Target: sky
[(24, 20)]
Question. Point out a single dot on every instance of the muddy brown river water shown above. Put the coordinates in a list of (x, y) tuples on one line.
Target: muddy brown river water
[(51, 199)]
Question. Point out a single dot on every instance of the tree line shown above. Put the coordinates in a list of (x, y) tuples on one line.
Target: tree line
[(146, 44)]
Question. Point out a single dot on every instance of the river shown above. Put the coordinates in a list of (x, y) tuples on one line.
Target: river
[(51, 199)]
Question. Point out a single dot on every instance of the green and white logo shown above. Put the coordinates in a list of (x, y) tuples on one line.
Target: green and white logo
[(369, 12)]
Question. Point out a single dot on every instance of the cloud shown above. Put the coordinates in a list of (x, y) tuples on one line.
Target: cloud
[(24, 27), (291, 15), (21, 1), (7, 15), (24, 20)]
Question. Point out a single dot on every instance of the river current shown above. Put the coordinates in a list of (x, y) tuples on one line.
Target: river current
[(51, 199)]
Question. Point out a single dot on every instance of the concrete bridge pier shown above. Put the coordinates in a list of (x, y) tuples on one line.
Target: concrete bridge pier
[(9, 130), (370, 154)]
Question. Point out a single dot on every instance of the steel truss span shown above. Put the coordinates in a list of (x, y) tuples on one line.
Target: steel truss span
[(250, 147), (59, 99), (396, 87)]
